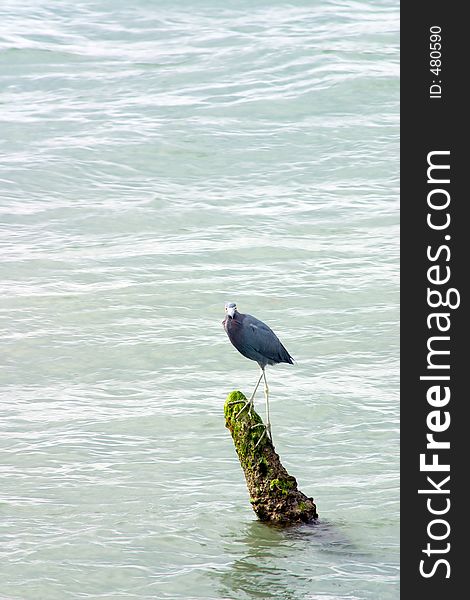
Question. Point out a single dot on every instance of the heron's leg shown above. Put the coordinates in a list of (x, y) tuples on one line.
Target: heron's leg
[(249, 403), (266, 395), (251, 400), (262, 435), (267, 427)]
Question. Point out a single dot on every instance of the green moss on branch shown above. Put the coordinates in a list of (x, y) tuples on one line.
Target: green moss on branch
[(273, 492)]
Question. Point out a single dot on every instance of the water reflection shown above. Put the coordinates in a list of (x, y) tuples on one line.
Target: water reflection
[(329, 537), (256, 573), (273, 563)]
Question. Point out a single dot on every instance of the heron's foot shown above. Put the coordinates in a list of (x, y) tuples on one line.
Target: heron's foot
[(248, 404), (266, 433)]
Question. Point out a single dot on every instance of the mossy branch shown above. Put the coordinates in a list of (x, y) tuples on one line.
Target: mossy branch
[(273, 492)]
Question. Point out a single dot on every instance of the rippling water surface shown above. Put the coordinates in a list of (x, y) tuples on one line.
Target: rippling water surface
[(159, 158)]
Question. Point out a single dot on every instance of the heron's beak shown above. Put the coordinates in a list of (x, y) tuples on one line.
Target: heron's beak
[(231, 311)]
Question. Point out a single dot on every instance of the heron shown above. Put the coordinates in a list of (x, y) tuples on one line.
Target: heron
[(258, 342)]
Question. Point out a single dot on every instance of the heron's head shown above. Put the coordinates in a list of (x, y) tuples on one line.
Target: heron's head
[(230, 309)]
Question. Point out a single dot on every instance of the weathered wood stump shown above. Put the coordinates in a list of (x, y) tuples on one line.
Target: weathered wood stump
[(273, 492)]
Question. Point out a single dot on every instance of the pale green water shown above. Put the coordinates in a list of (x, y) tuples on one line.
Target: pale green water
[(159, 158)]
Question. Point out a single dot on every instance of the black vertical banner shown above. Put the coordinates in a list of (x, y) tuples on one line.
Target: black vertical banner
[(434, 314)]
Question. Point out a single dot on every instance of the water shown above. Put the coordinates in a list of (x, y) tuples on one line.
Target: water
[(159, 158)]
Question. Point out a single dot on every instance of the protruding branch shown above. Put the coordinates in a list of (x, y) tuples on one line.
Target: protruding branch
[(273, 492)]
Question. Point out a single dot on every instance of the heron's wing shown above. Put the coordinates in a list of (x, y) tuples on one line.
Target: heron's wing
[(262, 339)]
